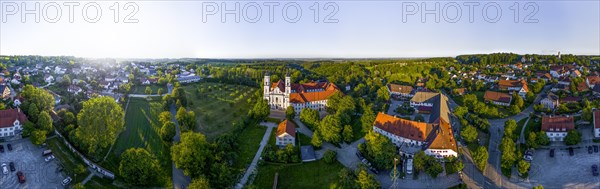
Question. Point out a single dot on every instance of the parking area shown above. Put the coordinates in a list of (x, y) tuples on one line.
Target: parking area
[(563, 170), (29, 160)]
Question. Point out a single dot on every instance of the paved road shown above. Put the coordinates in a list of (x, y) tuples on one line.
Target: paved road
[(144, 95), (252, 168), (179, 179)]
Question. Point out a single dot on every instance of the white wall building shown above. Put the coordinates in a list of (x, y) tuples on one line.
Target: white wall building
[(11, 121), (311, 95)]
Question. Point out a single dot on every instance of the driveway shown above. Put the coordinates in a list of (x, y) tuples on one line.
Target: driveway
[(252, 168), (29, 160)]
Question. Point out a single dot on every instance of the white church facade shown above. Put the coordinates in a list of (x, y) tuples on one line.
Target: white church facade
[(282, 94)]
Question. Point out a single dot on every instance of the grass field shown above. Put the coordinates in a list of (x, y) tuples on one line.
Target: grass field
[(141, 89), (249, 141), (218, 106), (317, 174), (142, 131), (99, 183), (67, 158)]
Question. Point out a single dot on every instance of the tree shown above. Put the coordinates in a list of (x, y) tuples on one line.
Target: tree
[(42, 98), (517, 100), (329, 156), (522, 167), (538, 187), (100, 122), (587, 114), (181, 115), (542, 138), (469, 133), (164, 117), (532, 140), (45, 121), (346, 178), (290, 113), (509, 155), (33, 112), (573, 137), (367, 119), (261, 110), (38, 136), (419, 161), (310, 118), (138, 167), (167, 131), (330, 129), (461, 111), (434, 167), (68, 118), (316, 140), (480, 157), (348, 134), (530, 96), (366, 181), (199, 183), (160, 91), (78, 186), (192, 154), (381, 149), (148, 90), (383, 94), (509, 127), (514, 109)]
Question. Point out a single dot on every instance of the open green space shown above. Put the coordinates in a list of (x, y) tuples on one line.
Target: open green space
[(218, 106), (68, 159), (316, 174), (141, 89), (142, 131), (302, 139), (249, 141), (99, 183), (520, 125)]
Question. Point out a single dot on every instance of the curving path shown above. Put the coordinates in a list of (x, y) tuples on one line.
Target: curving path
[(252, 168)]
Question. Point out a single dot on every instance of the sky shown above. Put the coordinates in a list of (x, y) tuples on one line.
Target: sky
[(288, 29)]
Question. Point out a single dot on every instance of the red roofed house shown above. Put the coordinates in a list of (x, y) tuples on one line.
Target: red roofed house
[(434, 137), (11, 121), (286, 134), (556, 127), (400, 90), (591, 81), (311, 95), (514, 85), (597, 123), (497, 98)]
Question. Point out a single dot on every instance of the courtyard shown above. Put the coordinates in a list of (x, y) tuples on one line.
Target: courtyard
[(29, 160)]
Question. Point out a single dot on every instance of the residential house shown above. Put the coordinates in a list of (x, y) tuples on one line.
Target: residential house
[(550, 101), (286, 134), (148, 81), (4, 91), (597, 123), (48, 78), (423, 99), (559, 71), (497, 98), (74, 89), (564, 81), (556, 127), (11, 122), (519, 86), (575, 73), (400, 90), (582, 87), (591, 81), (570, 99), (434, 137)]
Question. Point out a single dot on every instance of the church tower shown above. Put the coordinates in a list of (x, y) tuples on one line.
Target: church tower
[(288, 84), (267, 85)]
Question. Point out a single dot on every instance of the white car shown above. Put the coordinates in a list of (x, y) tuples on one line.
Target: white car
[(4, 168), (66, 181), (49, 158)]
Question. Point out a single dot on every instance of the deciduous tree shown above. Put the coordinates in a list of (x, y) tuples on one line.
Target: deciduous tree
[(331, 128), (44, 121), (138, 167), (100, 122), (167, 131), (381, 149), (199, 183), (192, 154), (38, 136), (469, 133), (290, 113)]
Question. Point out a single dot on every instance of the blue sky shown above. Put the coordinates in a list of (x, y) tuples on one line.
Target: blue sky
[(365, 29)]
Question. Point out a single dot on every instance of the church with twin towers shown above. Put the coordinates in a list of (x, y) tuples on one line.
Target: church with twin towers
[(282, 94)]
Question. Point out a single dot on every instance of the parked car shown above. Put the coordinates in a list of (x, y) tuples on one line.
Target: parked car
[(49, 158), (595, 149), (67, 181), (4, 169), (595, 170), (571, 153), (46, 152), (551, 152), (409, 166), (21, 177), (590, 150), (12, 166), (1, 148), (9, 146)]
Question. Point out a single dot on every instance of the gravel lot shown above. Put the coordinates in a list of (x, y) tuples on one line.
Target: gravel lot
[(29, 160), (564, 171)]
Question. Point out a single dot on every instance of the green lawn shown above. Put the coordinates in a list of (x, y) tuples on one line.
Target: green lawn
[(533, 126), (67, 158), (141, 89), (249, 141), (218, 106), (142, 131), (520, 125), (99, 183), (317, 174), (303, 139)]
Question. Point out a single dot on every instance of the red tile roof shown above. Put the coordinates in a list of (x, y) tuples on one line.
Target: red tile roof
[(404, 89), (497, 96), (401, 127), (557, 123), (505, 84), (444, 138), (8, 117), (288, 127), (308, 92), (593, 80)]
